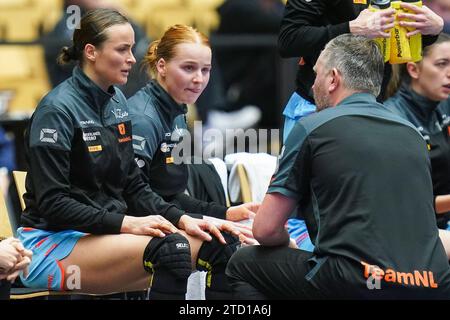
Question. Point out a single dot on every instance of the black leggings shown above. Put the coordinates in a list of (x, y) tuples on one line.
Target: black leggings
[(258, 272), (5, 287)]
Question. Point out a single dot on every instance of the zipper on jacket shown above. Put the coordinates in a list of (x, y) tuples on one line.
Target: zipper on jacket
[(102, 114)]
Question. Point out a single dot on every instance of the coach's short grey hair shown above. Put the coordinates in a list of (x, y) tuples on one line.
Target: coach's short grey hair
[(359, 61)]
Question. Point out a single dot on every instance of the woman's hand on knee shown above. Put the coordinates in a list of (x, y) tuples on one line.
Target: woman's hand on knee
[(155, 226), (200, 228), (242, 212), (240, 230)]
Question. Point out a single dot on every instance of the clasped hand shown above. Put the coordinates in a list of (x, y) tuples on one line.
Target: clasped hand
[(14, 258)]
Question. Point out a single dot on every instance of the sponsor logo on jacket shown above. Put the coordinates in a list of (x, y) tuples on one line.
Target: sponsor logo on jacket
[(48, 135), (119, 114), (97, 148), (138, 143), (139, 162), (91, 136), (87, 122), (123, 132)]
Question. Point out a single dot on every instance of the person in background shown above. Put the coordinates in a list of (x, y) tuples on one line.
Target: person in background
[(307, 26), (86, 204), (426, 84), (249, 73), (7, 161), (360, 174), (241, 94)]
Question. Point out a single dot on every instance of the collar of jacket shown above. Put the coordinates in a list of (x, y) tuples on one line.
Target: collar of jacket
[(95, 95), (358, 98), (165, 103), (420, 105)]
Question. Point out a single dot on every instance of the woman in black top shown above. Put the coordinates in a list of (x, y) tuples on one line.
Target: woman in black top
[(424, 101), (92, 223), (179, 65)]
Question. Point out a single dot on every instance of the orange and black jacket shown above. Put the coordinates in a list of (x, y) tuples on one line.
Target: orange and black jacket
[(159, 126), (81, 170), (432, 119)]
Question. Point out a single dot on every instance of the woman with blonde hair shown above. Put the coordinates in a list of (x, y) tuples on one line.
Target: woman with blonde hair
[(179, 65)]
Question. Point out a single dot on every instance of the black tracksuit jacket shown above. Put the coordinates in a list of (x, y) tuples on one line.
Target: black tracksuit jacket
[(81, 169), (159, 125), (432, 119)]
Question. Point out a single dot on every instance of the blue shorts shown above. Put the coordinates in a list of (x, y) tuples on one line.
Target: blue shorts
[(296, 108), (297, 230), (49, 248)]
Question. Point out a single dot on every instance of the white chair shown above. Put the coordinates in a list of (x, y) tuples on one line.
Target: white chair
[(249, 173)]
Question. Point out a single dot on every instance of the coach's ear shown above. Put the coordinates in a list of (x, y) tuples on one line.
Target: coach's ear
[(336, 79)]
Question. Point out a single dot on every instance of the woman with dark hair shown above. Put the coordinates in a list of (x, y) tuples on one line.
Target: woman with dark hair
[(92, 223), (423, 99)]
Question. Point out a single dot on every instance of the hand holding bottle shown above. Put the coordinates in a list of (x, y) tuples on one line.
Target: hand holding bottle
[(400, 44), (420, 18), (373, 24), (383, 42)]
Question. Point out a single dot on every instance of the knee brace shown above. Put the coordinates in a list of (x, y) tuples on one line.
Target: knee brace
[(169, 261), (213, 257)]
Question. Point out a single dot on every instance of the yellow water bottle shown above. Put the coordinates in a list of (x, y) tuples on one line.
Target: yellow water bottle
[(415, 42), (383, 43), (400, 50)]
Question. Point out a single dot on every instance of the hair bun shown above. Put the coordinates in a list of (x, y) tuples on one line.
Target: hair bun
[(72, 52)]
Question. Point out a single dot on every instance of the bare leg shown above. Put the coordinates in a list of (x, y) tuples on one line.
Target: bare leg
[(110, 263), (113, 263)]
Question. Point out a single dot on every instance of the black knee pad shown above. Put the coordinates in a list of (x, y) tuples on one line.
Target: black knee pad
[(169, 261), (213, 257), (214, 254), (172, 253)]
